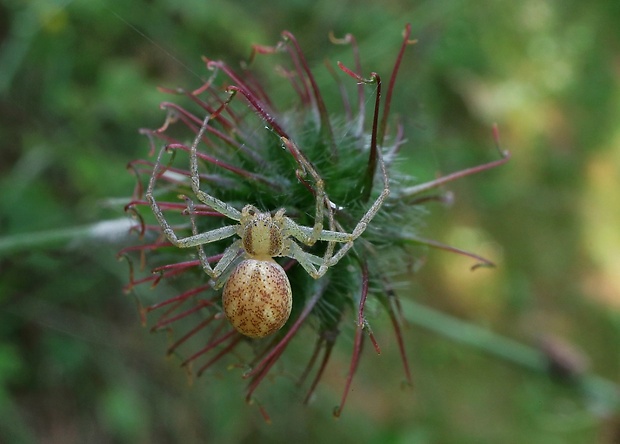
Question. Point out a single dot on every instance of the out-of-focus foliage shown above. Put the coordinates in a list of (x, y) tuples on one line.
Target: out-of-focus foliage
[(77, 79)]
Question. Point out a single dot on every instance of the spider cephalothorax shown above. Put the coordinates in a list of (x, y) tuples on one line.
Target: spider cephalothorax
[(262, 235)]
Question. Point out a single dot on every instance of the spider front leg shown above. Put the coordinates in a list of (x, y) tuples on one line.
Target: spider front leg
[(364, 221), (213, 202), (305, 236), (371, 212), (305, 166), (299, 232), (197, 239), (321, 199)]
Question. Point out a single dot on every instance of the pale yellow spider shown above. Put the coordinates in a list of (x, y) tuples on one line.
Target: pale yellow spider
[(257, 296)]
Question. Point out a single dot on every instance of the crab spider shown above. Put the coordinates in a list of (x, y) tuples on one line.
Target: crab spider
[(257, 296)]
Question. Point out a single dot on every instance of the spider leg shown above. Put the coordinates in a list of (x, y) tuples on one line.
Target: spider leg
[(307, 260), (327, 235), (332, 236), (202, 256), (215, 203), (368, 216), (230, 254), (192, 241), (319, 191), (227, 257), (305, 167), (322, 201), (300, 158)]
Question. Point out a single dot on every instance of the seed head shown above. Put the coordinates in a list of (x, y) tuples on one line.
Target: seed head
[(303, 160)]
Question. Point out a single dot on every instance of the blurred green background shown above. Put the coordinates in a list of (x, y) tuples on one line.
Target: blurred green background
[(77, 80)]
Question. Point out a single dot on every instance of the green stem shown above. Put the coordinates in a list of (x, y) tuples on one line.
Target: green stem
[(603, 392), (104, 231)]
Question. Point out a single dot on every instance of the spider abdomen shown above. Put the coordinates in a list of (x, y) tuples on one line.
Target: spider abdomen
[(257, 297)]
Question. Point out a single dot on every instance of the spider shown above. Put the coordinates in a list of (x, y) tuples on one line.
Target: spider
[(257, 296)]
